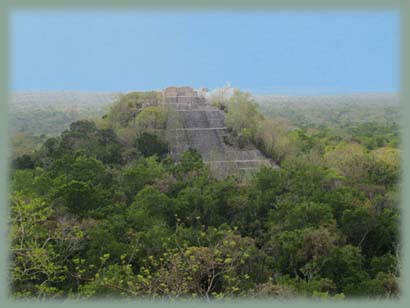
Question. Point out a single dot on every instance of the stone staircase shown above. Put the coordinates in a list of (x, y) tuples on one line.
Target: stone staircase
[(195, 123)]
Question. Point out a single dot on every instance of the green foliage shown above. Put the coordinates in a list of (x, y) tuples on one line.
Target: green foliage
[(37, 247), (150, 145), (23, 162), (101, 211), (242, 117), (144, 172), (135, 113), (191, 161), (124, 111), (83, 137), (151, 118), (79, 197)]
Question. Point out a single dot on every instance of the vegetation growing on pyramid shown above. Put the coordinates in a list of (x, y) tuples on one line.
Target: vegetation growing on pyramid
[(102, 210)]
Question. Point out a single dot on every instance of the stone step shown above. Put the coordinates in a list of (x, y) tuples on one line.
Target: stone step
[(201, 126)]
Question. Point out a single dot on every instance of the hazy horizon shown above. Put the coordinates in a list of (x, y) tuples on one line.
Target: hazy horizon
[(313, 93)]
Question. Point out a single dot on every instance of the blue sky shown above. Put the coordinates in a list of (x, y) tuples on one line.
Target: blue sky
[(262, 51)]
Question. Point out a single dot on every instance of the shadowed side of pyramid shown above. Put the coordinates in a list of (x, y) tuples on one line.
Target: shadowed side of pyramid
[(195, 124)]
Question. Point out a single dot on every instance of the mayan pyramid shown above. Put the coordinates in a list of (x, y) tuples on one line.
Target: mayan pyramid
[(198, 125)]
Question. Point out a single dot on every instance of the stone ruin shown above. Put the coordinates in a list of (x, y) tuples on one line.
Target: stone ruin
[(194, 123)]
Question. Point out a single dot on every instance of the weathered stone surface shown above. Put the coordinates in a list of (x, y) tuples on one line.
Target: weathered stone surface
[(179, 91), (196, 124)]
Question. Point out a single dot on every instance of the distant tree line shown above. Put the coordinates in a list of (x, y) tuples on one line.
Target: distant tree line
[(103, 211)]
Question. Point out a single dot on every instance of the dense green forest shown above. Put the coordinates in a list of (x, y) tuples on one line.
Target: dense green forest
[(35, 116), (103, 211)]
